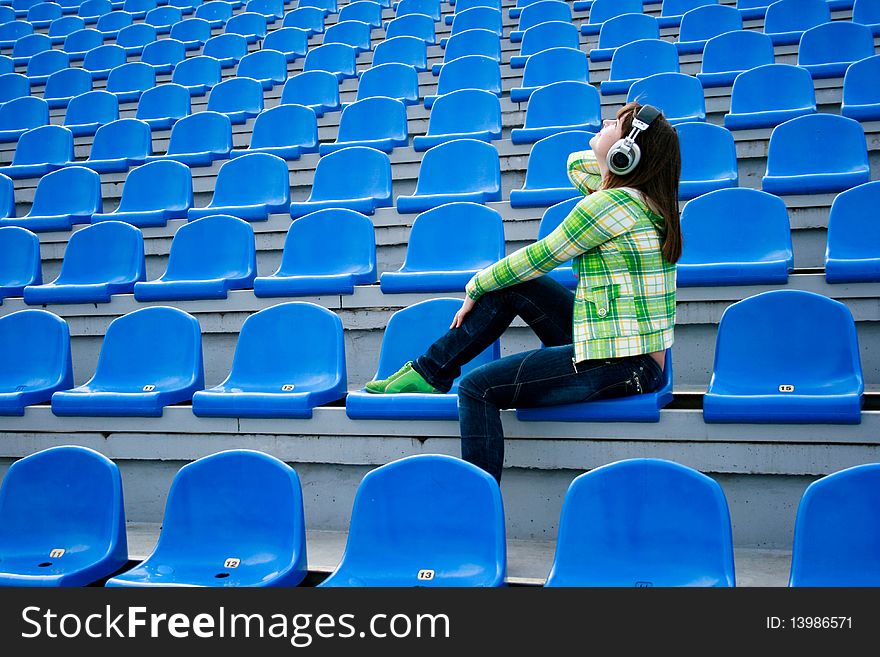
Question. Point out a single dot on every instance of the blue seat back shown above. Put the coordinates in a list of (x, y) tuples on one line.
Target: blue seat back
[(365, 12), (286, 125), (247, 24), (14, 30), (333, 178), (226, 45), (772, 87), (217, 246), (306, 18), (105, 57), (164, 100), (393, 80), (311, 88), (737, 51), (425, 512), (430, 8), (215, 10), (707, 21), (163, 16), (679, 7), (604, 10), (251, 179), (108, 252), (644, 522), (795, 15), (378, 117), (678, 96), (473, 42), (49, 143), (352, 235), (542, 12), (333, 57), (554, 65), (408, 50), (620, 30), (328, 6), (66, 25), (853, 229), (552, 34), (483, 18), (455, 237), (42, 11), (30, 45), (415, 25), (467, 110), (198, 70), (263, 64), (164, 51), (63, 498), (134, 76), (564, 103), (235, 95), (837, 41), (139, 5), (67, 83), (642, 58), (72, 190), (274, 8), (159, 185), (46, 63), (288, 40), (548, 160), (866, 12), (815, 144), (555, 215), (114, 21), (92, 107), (94, 8), (352, 33), (24, 113), (762, 339), (837, 532), (20, 263), (191, 29), (200, 132), (470, 72), (858, 83), (36, 348), (83, 40), (14, 85), (124, 138), (459, 165)]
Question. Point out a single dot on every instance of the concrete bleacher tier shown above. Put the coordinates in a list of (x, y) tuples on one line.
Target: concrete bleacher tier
[(763, 468)]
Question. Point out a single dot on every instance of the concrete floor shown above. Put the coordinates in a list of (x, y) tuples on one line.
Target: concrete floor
[(528, 561)]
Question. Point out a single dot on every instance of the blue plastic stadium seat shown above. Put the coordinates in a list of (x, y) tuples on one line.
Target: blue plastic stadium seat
[(139, 8), (19, 253), (475, 18), (285, 130), (13, 85), (92, 10), (391, 80), (644, 522), (760, 374), (550, 220), (336, 58), (828, 49), (119, 145), (334, 187), (446, 247), (559, 107), (110, 24), (239, 98), (292, 42), (60, 28), (678, 96), (708, 159), (227, 48), (187, 7), (753, 9), (208, 257), (39, 15), (63, 85), (162, 106), (704, 22), (672, 12), (430, 8), (836, 532), (735, 237), (103, 59), (89, 111), (318, 90), (232, 519), (250, 25), (365, 12), (540, 12), (352, 33), (787, 20), (458, 170), (153, 194), (307, 270), (193, 32), (198, 74), (861, 96), (552, 34), (853, 251), (621, 30), (100, 261), (39, 151), (413, 25), (425, 509), (62, 519), (816, 154), (6, 65), (163, 55), (378, 122), (44, 64), (130, 80), (162, 18), (278, 372), (867, 12), (65, 197), (638, 60), (468, 72), (769, 95), (728, 55), (216, 12), (547, 180), (464, 114), (464, 5), (12, 31), (549, 66), (20, 115), (250, 187), (271, 10), (633, 407), (470, 42), (602, 11), (134, 37), (28, 46), (199, 139), (305, 18), (408, 50), (326, 6)]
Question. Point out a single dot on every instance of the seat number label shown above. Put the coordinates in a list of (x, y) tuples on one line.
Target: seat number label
[(232, 562), (287, 387), (786, 388), (425, 574), (57, 553), (149, 388)]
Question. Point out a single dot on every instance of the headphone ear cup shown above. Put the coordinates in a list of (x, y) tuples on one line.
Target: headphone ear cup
[(623, 160)]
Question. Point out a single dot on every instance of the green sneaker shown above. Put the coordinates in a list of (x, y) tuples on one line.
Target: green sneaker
[(410, 381), (378, 386)]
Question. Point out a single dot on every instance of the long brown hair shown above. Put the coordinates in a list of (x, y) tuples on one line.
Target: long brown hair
[(657, 174)]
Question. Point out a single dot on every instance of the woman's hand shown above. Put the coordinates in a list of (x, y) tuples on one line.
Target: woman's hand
[(464, 310)]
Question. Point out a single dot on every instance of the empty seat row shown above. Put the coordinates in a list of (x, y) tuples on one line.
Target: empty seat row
[(683, 538)]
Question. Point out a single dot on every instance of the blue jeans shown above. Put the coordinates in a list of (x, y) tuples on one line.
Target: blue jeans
[(540, 377)]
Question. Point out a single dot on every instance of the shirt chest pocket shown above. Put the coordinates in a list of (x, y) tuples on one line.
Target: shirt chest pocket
[(600, 309)]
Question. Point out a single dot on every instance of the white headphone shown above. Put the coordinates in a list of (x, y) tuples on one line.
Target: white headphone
[(625, 154)]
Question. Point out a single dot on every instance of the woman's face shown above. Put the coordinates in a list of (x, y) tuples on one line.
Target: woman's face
[(604, 140)]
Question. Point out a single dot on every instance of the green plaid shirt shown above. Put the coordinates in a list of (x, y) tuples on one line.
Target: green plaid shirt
[(624, 304)]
